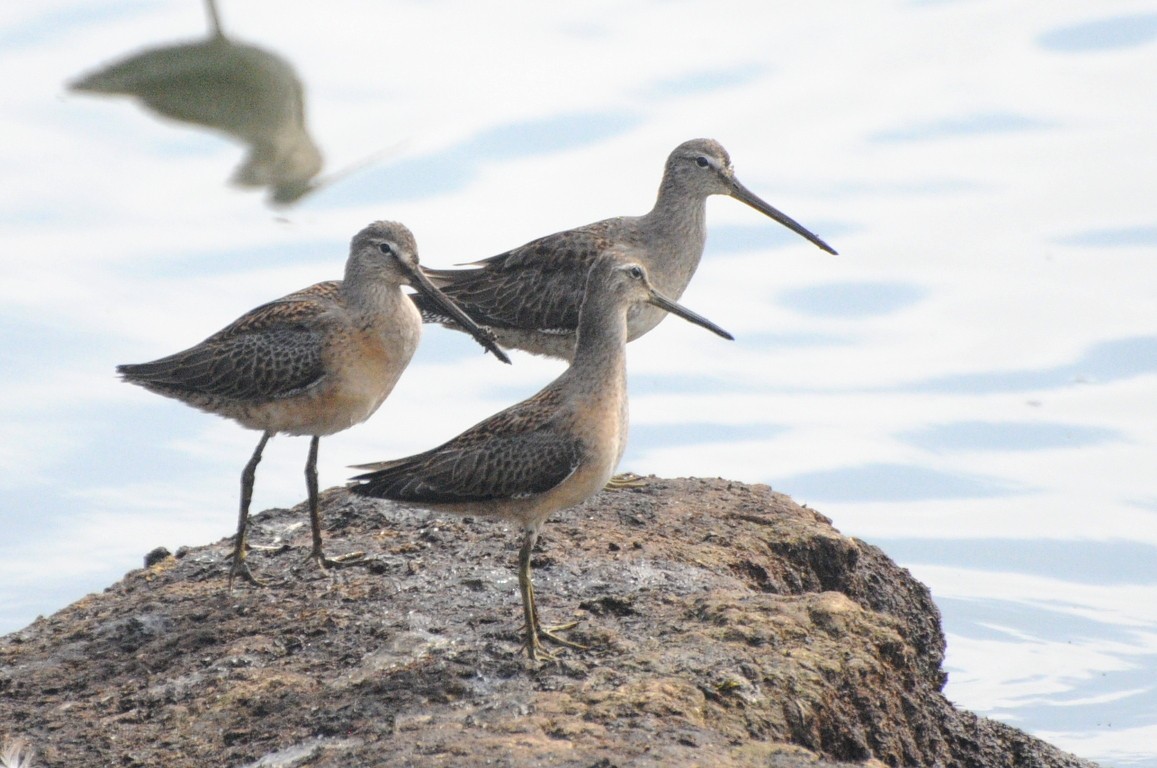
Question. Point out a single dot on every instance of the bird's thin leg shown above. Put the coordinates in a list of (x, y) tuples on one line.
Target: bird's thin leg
[(240, 544), (315, 517), (529, 613), (534, 629)]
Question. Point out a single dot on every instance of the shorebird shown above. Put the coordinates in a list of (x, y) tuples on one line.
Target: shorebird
[(549, 452), (530, 295), (248, 93), (314, 362)]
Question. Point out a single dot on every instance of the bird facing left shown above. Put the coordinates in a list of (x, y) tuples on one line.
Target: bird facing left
[(313, 363)]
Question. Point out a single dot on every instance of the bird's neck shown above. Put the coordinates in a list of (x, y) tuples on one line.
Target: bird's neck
[(373, 298), (676, 202), (601, 342), (677, 225)]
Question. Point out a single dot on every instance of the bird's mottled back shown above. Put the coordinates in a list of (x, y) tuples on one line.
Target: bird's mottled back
[(519, 452), (538, 285), (529, 295), (272, 352)]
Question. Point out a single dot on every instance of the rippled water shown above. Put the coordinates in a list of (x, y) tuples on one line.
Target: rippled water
[(971, 384)]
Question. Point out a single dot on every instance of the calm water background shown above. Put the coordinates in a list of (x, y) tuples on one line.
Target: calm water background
[(971, 384)]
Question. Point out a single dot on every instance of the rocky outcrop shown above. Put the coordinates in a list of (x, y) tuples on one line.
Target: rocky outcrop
[(726, 625)]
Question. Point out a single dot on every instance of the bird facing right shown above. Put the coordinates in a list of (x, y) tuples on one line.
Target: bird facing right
[(530, 296), (314, 363), (551, 451)]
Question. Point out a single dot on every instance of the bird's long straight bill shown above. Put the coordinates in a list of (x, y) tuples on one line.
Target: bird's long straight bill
[(662, 302), (481, 335), (745, 195)]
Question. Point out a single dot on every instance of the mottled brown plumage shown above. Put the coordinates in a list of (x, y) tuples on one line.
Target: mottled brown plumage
[(270, 353), (530, 295), (550, 451), (314, 362)]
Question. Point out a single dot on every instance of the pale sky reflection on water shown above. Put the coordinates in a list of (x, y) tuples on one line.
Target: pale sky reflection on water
[(971, 384)]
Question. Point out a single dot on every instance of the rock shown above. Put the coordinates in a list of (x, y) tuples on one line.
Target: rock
[(727, 626)]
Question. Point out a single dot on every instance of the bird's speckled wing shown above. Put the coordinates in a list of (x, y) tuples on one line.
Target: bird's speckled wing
[(298, 307), (515, 453), (536, 286), (270, 352)]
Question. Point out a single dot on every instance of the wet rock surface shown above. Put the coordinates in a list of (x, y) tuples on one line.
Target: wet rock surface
[(726, 626)]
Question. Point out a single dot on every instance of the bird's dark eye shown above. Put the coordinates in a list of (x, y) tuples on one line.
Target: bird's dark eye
[(636, 272), (386, 248), (702, 162)]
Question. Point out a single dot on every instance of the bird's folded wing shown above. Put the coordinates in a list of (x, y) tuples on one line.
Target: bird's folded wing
[(536, 286), (477, 468), (270, 352)]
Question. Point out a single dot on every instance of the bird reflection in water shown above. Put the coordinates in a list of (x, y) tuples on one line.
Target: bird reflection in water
[(243, 91)]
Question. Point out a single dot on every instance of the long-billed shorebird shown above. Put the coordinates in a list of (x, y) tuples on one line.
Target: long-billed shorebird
[(530, 296), (314, 362), (551, 451)]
